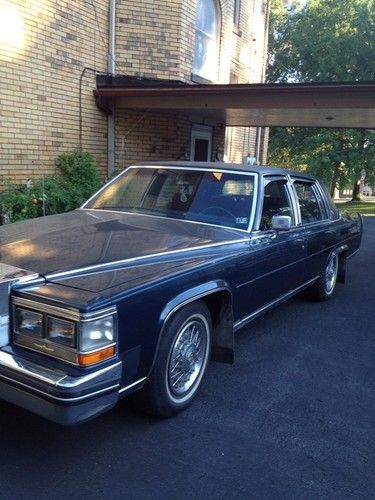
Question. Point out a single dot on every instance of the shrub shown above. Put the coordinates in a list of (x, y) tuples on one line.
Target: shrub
[(18, 202), (79, 176), (77, 179)]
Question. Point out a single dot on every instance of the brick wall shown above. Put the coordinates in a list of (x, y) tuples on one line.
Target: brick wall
[(153, 136), (245, 64), (155, 39), (46, 46), (153, 42), (40, 68)]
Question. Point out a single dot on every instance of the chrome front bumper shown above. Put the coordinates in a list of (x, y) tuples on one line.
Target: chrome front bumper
[(54, 394)]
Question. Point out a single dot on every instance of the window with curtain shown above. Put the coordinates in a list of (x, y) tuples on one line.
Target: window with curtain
[(206, 52)]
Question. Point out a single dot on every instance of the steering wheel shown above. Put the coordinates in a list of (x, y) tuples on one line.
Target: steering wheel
[(219, 209)]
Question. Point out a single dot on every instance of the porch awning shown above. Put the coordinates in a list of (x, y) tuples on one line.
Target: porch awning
[(349, 105)]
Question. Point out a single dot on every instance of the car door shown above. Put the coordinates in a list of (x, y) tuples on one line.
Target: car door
[(275, 264), (320, 231)]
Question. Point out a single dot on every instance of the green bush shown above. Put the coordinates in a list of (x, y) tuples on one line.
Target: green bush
[(79, 175), (76, 180)]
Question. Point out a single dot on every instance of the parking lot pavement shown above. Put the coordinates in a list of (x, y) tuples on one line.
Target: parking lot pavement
[(293, 418)]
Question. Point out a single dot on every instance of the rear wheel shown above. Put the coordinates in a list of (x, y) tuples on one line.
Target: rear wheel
[(181, 361), (324, 287)]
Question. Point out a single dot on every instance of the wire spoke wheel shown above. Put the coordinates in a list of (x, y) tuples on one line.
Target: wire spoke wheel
[(187, 357), (181, 362), (331, 274)]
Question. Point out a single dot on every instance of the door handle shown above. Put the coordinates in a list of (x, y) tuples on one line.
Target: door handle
[(301, 241)]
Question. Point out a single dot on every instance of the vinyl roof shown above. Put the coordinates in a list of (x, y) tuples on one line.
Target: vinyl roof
[(344, 105)]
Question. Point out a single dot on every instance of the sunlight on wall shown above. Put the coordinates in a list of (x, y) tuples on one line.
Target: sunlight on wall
[(227, 48), (16, 37), (12, 32)]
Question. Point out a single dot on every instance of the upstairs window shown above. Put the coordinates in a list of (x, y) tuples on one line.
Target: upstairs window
[(206, 52)]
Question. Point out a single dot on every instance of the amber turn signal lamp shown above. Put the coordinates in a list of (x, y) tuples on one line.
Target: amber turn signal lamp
[(95, 357)]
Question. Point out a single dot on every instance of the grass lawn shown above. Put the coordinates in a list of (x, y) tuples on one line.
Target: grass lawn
[(363, 207)]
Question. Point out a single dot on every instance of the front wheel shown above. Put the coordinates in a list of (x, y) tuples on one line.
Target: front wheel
[(324, 287), (181, 362)]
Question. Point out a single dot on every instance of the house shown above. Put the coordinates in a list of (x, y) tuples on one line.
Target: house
[(56, 55)]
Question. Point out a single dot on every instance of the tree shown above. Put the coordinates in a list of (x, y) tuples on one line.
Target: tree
[(323, 41)]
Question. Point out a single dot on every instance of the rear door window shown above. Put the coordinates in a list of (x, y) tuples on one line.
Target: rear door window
[(310, 203)]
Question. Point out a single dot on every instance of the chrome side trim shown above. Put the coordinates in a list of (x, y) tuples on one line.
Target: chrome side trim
[(353, 253), (242, 322), (99, 267), (71, 314), (123, 389), (188, 301)]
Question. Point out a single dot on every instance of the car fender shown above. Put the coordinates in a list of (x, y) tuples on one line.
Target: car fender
[(223, 335)]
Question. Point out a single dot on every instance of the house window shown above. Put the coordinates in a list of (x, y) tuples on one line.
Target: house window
[(206, 53)]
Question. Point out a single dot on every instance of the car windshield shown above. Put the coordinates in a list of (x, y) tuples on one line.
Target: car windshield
[(220, 198)]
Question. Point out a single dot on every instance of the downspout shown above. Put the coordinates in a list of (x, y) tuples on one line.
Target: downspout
[(111, 67), (258, 142)]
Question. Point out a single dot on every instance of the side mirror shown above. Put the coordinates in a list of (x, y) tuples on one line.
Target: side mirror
[(281, 222)]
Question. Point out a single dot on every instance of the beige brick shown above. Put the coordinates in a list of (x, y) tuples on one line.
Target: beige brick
[(40, 83)]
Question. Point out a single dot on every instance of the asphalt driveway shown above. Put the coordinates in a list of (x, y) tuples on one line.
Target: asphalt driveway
[(293, 418)]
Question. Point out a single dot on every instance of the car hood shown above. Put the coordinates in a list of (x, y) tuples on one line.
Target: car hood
[(83, 239)]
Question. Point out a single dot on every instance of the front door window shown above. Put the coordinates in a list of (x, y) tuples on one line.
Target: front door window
[(276, 201)]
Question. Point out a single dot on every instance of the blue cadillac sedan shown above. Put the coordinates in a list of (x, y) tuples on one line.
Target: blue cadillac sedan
[(150, 279)]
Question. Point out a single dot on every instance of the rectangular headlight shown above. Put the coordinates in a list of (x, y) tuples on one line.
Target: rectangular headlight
[(97, 334), (61, 331), (28, 322), (79, 338)]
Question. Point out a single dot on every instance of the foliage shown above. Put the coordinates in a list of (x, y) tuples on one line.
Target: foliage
[(79, 176), (336, 156), (324, 40), (76, 180)]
